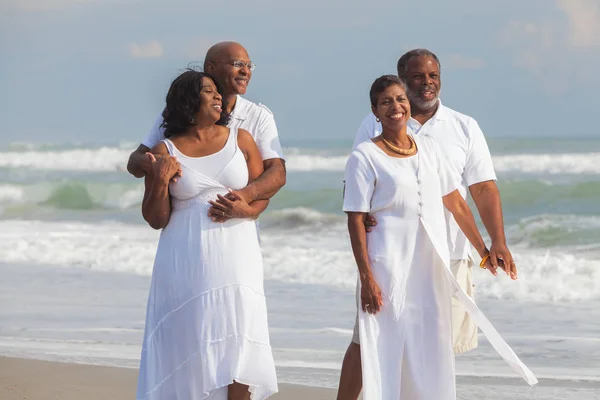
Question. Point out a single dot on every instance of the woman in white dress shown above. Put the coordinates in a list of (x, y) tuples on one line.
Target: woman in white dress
[(206, 334), (404, 280)]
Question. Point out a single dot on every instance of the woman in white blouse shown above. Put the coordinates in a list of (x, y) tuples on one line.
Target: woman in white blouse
[(405, 283)]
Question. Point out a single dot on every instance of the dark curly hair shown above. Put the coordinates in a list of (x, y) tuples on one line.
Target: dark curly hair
[(382, 83), (183, 102)]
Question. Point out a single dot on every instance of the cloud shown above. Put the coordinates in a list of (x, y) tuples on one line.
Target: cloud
[(48, 5), (584, 21), (463, 62), (152, 49), (533, 43), (548, 45), (38, 5)]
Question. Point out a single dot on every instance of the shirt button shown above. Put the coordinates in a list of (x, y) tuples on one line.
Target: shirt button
[(418, 181), (421, 204)]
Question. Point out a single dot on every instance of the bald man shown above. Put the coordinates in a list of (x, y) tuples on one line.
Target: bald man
[(230, 64)]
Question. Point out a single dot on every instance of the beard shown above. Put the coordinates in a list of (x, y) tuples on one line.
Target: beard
[(421, 104)]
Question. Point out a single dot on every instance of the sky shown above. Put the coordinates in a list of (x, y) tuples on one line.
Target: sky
[(97, 71)]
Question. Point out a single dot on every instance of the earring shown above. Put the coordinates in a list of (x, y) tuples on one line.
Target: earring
[(377, 119), (192, 120)]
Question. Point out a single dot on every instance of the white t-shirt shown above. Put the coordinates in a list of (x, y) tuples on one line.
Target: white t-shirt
[(466, 151), (255, 118)]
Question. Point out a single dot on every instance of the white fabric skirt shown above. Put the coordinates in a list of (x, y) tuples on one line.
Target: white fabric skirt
[(206, 319)]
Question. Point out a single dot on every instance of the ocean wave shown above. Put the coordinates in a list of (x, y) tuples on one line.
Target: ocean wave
[(102, 159), (299, 160), (304, 256), (551, 164), (290, 218), (530, 192), (570, 163), (557, 230), (291, 207), (75, 195)]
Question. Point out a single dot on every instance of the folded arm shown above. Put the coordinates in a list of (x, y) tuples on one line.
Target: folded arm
[(139, 164), (268, 183)]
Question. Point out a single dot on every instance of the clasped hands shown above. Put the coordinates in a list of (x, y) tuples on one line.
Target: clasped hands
[(167, 169)]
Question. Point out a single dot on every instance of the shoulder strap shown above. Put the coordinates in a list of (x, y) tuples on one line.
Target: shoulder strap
[(170, 146), (234, 133)]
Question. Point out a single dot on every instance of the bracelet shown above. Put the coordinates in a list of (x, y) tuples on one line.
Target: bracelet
[(483, 261)]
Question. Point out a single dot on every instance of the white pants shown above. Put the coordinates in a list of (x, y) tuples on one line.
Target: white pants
[(464, 329)]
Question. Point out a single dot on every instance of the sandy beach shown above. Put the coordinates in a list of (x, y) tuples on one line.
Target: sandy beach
[(28, 379), (23, 379)]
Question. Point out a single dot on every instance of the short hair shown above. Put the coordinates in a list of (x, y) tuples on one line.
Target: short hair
[(382, 83), (406, 57), (183, 102)]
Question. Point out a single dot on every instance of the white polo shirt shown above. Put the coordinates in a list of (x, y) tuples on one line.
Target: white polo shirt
[(255, 118), (466, 150)]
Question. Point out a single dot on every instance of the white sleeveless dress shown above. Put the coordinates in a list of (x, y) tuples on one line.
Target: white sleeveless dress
[(206, 319)]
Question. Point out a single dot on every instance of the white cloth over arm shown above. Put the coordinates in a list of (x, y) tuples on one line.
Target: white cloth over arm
[(479, 166), (259, 121), (360, 183), (156, 133), (267, 137)]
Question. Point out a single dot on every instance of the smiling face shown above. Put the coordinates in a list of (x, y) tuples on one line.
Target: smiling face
[(235, 80), (392, 107), (210, 101), (424, 83)]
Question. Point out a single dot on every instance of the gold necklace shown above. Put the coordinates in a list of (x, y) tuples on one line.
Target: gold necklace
[(405, 152)]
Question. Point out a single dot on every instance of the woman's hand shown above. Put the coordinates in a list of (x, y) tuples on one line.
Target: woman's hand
[(164, 168), (370, 296)]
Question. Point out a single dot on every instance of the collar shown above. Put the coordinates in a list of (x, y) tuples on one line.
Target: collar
[(441, 114), (239, 110)]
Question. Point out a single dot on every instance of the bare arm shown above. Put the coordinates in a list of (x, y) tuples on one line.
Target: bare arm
[(487, 200), (256, 170), (464, 218), (139, 164), (156, 206), (268, 183), (370, 293)]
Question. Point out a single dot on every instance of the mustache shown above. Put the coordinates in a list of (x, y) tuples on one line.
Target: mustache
[(430, 88)]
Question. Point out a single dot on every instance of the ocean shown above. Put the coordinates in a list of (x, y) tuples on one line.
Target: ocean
[(76, 259)]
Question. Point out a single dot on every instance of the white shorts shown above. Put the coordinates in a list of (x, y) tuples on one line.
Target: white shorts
[(464, 329)]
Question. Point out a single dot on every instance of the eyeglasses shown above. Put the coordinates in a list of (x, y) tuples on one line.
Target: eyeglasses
[(239, 64)]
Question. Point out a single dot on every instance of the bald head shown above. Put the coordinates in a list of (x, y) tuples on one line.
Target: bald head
[(230, 64), (223, 51)]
